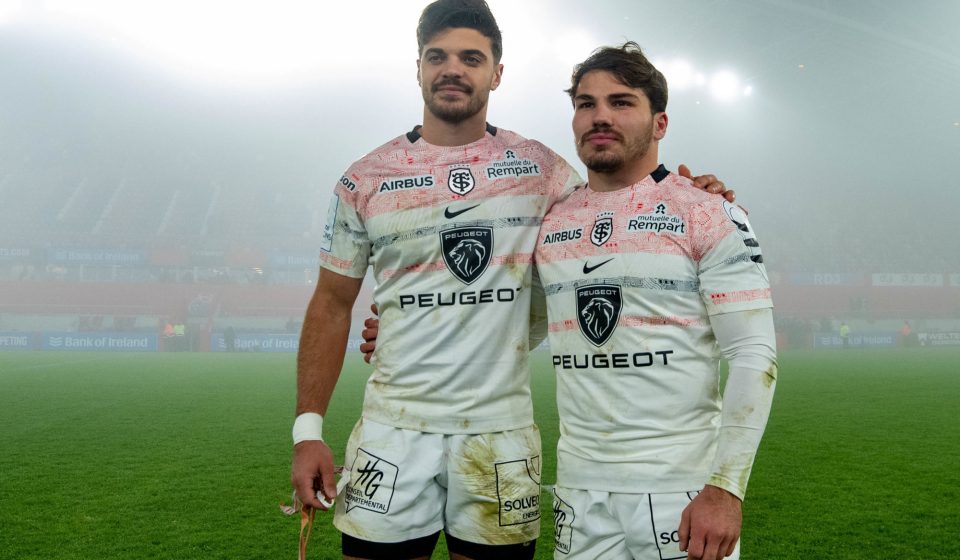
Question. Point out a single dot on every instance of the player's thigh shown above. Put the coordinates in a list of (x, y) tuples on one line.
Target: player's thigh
[(392, 494), (654, 524), (493, 487), (585, 526)]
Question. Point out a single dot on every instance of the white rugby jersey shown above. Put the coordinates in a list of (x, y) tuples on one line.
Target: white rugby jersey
[(450, 234), (632, 278)]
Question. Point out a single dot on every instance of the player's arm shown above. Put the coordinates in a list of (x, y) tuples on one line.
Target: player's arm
[(710, 525), (538, 311), (323, 343), (709, 183)]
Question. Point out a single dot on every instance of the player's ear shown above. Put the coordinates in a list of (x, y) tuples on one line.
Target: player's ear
[(497, 75), (419, 78), (659, 125)]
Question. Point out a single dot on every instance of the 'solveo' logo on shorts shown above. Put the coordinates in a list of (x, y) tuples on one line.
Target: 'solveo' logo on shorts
[(518, 492)]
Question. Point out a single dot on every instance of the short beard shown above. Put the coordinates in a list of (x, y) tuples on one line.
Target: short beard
[(607, 162), (602, 162), (454, 114)]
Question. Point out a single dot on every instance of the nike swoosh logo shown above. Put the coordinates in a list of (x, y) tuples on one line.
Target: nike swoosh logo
[(588, 269), (451, 215)]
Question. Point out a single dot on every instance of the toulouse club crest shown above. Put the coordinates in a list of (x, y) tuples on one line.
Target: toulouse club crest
[(461, 181), (466, 251), (602, 229), (598, 310)]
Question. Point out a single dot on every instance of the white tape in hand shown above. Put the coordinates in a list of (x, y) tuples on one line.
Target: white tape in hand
[(341, 484)]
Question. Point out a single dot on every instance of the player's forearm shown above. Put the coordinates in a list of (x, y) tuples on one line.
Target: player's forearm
[(323, 343), (748, 342), (538, 311)]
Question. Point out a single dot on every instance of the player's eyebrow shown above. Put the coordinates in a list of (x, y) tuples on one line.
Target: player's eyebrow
[(474, 52), (624, 95), (464, 53)]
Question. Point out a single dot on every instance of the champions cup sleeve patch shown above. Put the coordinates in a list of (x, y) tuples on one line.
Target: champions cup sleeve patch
[(326, 244), (598, 311), (739, 219), (518, 492), (563, 517), (372, 483)]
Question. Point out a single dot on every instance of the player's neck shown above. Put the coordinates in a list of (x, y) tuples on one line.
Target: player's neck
[(630, 174), (442, 133)]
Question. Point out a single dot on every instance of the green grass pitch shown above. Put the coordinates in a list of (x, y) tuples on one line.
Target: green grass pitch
[(186, 456)]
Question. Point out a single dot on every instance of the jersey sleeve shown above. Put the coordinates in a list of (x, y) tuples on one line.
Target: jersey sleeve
[(563, 178), (731, 272), (345, 248), (748, 341)]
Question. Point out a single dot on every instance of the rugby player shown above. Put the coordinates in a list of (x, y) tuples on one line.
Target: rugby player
[(648, 283), (447, 215)]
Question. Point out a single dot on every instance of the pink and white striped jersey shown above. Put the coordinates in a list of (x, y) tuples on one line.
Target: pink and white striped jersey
[(450, 234), (632, 278)]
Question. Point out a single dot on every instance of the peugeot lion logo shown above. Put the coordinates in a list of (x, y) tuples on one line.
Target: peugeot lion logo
[(598, 310), (466, 251)]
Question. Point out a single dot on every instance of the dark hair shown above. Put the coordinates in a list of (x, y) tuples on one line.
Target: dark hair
[(629, 65), (448, 14)]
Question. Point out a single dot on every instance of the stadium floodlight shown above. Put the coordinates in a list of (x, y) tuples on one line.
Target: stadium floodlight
[(683, 76), (725, 86)]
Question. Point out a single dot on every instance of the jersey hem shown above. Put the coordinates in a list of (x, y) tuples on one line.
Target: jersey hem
[(448, 427)]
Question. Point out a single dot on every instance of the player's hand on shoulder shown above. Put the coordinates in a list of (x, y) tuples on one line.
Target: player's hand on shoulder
[(312, 471), (371, 328), (709, 183), (710, 525)]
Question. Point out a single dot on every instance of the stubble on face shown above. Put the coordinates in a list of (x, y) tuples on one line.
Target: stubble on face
[(612, 158), (453, 112)]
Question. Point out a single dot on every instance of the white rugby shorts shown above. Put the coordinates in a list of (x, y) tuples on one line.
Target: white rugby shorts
[(590, 524), (404, 483)]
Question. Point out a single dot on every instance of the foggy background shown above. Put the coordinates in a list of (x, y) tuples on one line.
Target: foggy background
[(171, 161)]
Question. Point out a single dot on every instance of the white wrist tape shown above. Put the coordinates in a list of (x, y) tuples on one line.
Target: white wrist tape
[(308, 426)]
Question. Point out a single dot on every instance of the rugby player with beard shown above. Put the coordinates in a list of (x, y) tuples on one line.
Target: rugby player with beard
[(648, 283)]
